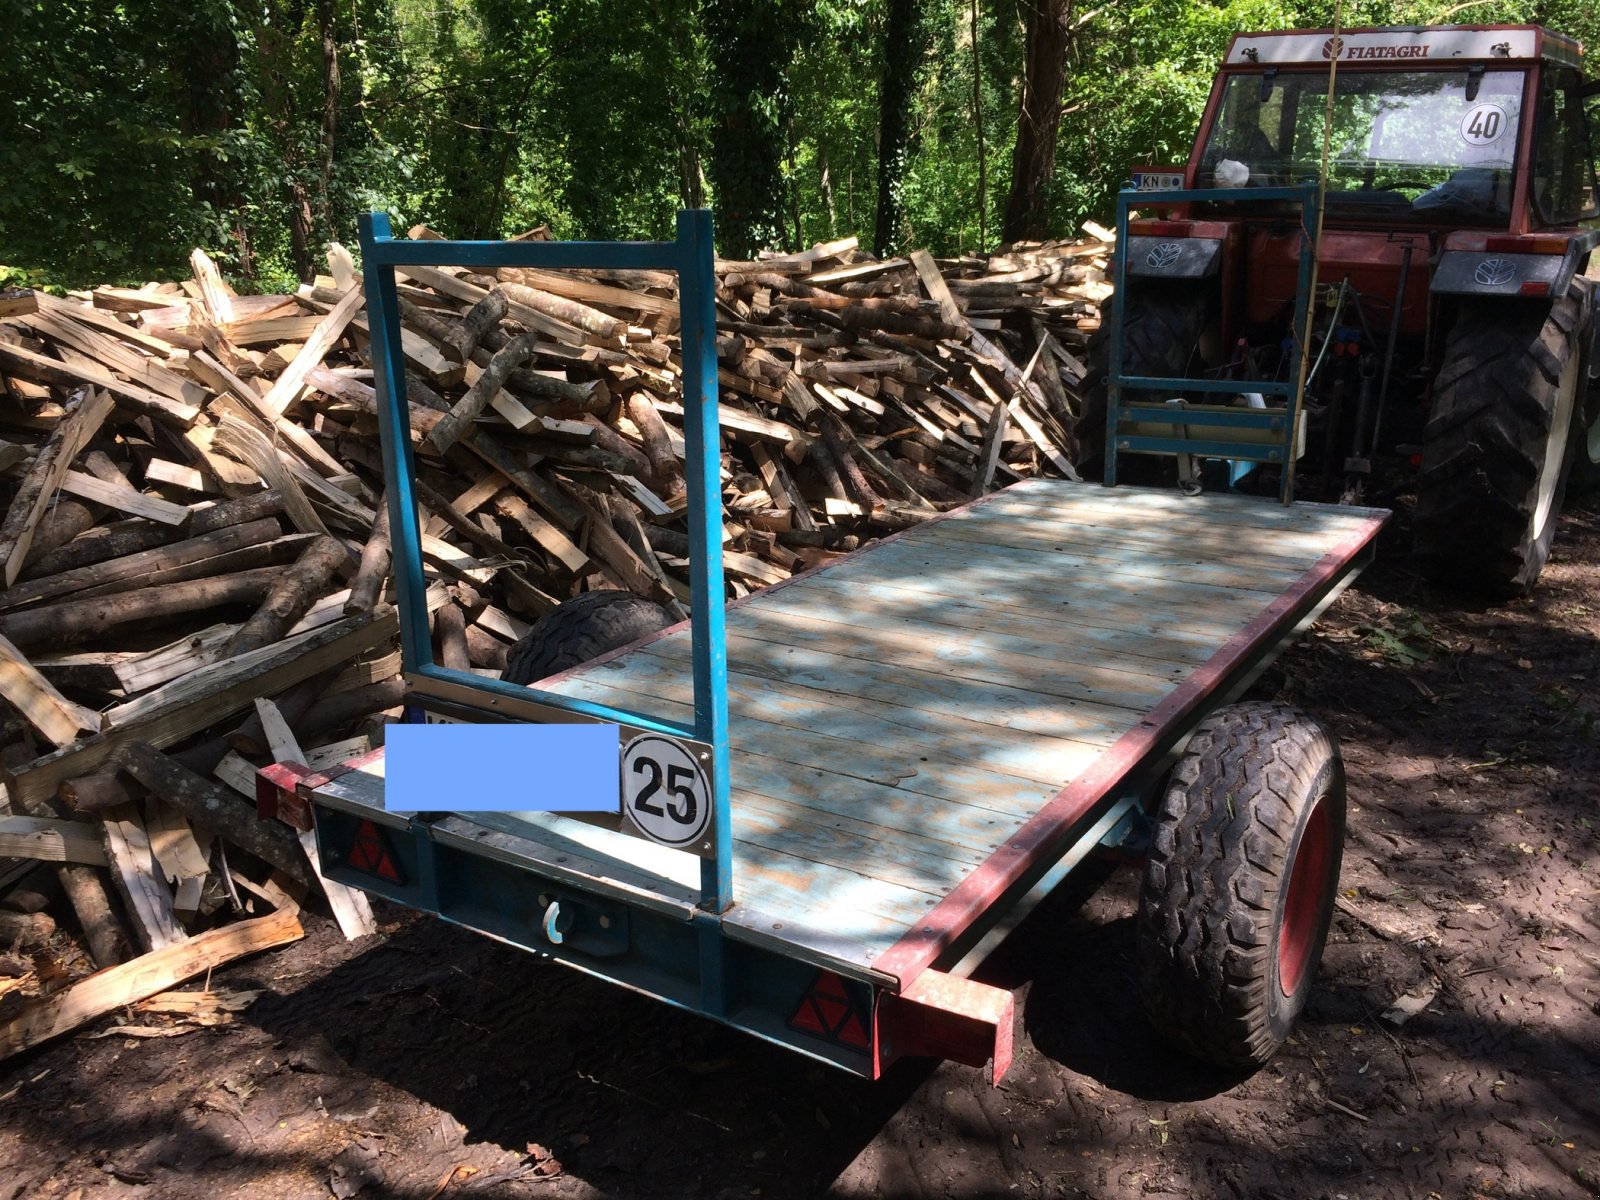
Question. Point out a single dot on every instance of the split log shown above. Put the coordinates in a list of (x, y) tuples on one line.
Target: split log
[(146, 898), (39, 486), (248, 445), (200, 699), (214, 807), (286, 390), (290, 596), (14, 360), (113, 988), (49, 839), (47, 710), (108, 543)]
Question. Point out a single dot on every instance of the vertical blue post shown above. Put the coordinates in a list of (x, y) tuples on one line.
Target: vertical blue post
[(1119, 287), (394, 427), (703, 448)]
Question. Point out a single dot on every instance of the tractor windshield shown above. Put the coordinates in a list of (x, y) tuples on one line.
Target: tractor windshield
[(1429, 145)]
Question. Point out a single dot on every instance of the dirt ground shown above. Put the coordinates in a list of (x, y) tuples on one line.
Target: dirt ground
[(430, 1062)]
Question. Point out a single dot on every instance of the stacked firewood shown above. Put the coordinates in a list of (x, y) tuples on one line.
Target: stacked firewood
[(195, 550)]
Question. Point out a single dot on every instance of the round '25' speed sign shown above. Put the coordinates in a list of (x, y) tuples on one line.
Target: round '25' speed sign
[(664, 791)]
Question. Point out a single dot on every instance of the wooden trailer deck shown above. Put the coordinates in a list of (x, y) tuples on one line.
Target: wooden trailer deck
[(917, 728)]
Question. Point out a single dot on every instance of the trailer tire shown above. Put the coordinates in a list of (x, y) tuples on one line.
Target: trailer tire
[(1506, 426), (582, 628), (1161, 331), (1239, 882)]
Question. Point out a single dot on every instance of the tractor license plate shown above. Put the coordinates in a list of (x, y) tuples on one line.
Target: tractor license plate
[(1157, 179)]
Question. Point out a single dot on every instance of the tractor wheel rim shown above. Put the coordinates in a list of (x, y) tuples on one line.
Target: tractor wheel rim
[(1556, 448), (1302, 910)]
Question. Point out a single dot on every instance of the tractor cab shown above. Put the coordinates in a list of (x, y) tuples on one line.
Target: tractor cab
[(1454, 168)]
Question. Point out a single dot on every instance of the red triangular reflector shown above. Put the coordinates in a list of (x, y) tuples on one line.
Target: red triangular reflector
[(369, 854), (828, 1012)]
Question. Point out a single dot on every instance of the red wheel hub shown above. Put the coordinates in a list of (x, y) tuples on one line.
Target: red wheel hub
[(1308, 883)]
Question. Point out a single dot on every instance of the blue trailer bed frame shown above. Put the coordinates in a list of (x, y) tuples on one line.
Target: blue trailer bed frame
[(929, 733)]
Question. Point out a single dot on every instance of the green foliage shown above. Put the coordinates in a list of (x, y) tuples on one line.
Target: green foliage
[(130, 133)]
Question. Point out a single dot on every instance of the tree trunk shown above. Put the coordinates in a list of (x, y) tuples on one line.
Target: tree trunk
[(977, 124), (330, 106), (902, 52), (1033, 162)]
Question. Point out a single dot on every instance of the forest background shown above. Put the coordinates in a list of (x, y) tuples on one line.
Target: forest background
[(131, 132)]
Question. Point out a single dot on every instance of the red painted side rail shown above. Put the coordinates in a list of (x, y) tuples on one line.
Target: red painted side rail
[(1043, 837)]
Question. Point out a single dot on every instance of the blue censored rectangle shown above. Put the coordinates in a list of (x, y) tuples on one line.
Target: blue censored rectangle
[(501, 768)]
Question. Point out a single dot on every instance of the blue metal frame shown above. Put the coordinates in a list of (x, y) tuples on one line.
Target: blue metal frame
[(1277, 420), (690, 256)]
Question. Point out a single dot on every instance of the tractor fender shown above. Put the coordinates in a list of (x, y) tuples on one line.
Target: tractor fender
[(1173, 258), (1497, 273)]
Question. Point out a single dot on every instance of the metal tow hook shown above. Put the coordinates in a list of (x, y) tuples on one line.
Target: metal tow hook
[(556, 923)]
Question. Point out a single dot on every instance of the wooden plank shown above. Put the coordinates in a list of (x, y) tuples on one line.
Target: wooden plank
[(38, 488), (160, 470), (350, 907), (816, 712), (108, 990), (246, 444), (146, 897), (16, 360), (202, 698), (59, 321), (288, 386), (124, 499), (215, 294), (40, 704), (48, 840)]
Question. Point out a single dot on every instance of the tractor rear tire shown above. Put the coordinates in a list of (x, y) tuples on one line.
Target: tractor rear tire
[(582, 628), (1500, 442), (1239, 883), (1161, 327)]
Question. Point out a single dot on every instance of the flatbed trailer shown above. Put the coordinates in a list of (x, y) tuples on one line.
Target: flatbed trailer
[(905, 749)]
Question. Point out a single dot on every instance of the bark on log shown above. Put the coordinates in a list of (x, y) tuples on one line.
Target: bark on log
[(335, 712), (30, 929), (839, 446), (217, 808), (91, 793), (251, 738), (100, 544), (144, 563), (73, 621), (373, 570), (590, 320), (451, 626), (292, 593), (456, 422), (481, 317), (91, 904), (665, 470), (65, 520)]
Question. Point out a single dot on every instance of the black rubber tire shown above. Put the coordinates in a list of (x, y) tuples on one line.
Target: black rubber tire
[(1161, 327), (1491, 485), (1259, 790), (582, 628)]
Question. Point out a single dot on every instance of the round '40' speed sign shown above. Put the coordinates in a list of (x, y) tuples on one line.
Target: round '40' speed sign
[(664, 791)]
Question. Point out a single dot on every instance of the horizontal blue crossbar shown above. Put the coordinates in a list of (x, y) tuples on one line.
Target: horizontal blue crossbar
[(1151, 383), (1249, 451), (581, 708), (635, 256), (1233, 418), (1295, 193)]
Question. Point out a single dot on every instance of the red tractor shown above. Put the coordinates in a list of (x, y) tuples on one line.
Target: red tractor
[(1452, 323)]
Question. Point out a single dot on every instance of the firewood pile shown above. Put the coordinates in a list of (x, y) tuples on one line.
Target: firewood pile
[(195, 547)]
